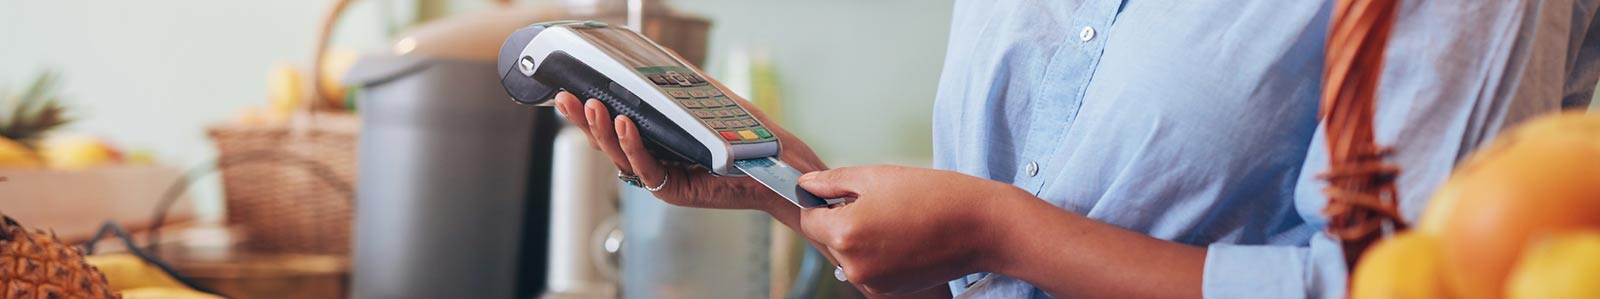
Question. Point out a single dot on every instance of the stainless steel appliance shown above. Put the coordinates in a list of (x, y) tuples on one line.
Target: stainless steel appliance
[(454, 194)]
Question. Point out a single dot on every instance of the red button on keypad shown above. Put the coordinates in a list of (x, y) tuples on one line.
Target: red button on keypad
[(729, 136)]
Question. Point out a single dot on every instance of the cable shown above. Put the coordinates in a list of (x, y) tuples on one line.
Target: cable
[(127, 241)]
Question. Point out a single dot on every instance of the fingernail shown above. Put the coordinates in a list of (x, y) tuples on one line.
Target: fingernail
[(622, 127), (589, 114), (808, 176)]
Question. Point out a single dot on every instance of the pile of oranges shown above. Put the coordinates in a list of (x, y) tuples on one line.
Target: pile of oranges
[(1518, 219)]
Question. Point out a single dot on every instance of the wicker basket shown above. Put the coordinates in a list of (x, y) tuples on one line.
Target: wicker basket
[(288, 187)]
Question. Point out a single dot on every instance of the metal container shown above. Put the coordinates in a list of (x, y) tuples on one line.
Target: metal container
[(453, 198)]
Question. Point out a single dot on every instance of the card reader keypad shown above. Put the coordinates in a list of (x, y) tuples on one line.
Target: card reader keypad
[(708, 104)]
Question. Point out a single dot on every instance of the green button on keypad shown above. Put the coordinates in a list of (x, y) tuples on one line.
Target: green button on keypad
[(763, 133)]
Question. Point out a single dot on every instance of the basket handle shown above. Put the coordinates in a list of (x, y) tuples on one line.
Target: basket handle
[(1362, 198), (324, 36)]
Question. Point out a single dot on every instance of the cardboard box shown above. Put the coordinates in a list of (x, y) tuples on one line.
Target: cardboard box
[(74, 204)]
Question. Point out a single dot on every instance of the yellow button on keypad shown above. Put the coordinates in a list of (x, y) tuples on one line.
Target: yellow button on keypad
[(748, 135)]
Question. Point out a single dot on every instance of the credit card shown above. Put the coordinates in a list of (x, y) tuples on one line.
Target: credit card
[(783, 179)]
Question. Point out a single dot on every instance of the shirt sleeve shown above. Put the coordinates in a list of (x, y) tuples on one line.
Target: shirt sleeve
[(1455, 74)]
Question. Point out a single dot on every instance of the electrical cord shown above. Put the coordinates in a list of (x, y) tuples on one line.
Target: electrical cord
[(127, 241)]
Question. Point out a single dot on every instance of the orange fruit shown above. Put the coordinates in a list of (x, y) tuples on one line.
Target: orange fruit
[(1408, 265), (1540, 178)]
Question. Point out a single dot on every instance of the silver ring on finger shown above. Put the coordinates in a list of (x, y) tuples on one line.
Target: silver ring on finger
[(838, 273), (657, 187), (631, 180)]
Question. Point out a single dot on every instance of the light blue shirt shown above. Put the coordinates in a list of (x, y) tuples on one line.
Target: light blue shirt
[(1195, 121)]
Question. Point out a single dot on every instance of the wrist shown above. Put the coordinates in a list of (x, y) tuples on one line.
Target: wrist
[(1008, 232), (772, 203), (781, 210)]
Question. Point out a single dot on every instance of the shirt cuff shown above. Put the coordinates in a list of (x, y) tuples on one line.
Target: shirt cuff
[(1253, 271)]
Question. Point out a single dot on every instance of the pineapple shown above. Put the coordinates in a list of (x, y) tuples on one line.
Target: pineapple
[(37, 265), (27, 116)]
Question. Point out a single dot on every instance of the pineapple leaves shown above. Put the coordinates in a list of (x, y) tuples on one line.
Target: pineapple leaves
[(38, 109)]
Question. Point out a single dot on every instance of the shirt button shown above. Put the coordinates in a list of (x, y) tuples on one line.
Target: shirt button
[(1086, 34), (1033, 169)]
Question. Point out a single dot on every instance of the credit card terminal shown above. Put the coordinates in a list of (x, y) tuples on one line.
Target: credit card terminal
[(681, 115)]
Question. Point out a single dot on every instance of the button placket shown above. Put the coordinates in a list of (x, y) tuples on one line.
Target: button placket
[(1053, 119)]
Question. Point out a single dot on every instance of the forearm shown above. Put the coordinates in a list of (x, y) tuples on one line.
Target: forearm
[(1069, 255)]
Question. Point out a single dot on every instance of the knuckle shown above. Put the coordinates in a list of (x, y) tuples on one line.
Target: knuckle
[(847, 239), (841, 244)]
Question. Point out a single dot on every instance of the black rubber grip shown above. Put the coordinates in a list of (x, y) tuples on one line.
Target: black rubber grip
[(668, 141)]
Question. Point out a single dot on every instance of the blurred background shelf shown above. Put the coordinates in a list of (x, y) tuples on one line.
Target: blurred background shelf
[(74, 204)]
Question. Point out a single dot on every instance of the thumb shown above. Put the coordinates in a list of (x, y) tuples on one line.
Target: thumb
[(836, 183)]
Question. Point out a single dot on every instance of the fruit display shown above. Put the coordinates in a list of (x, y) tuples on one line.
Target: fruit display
[(25, 117), (78, 152), (1518, 219), (14, 154), (165, 293), (34, 264), (136, 279), (126, 271), (336, 62), (1407, 265), (290, 88), (1562, 266), (286, 93), (28, 121)]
